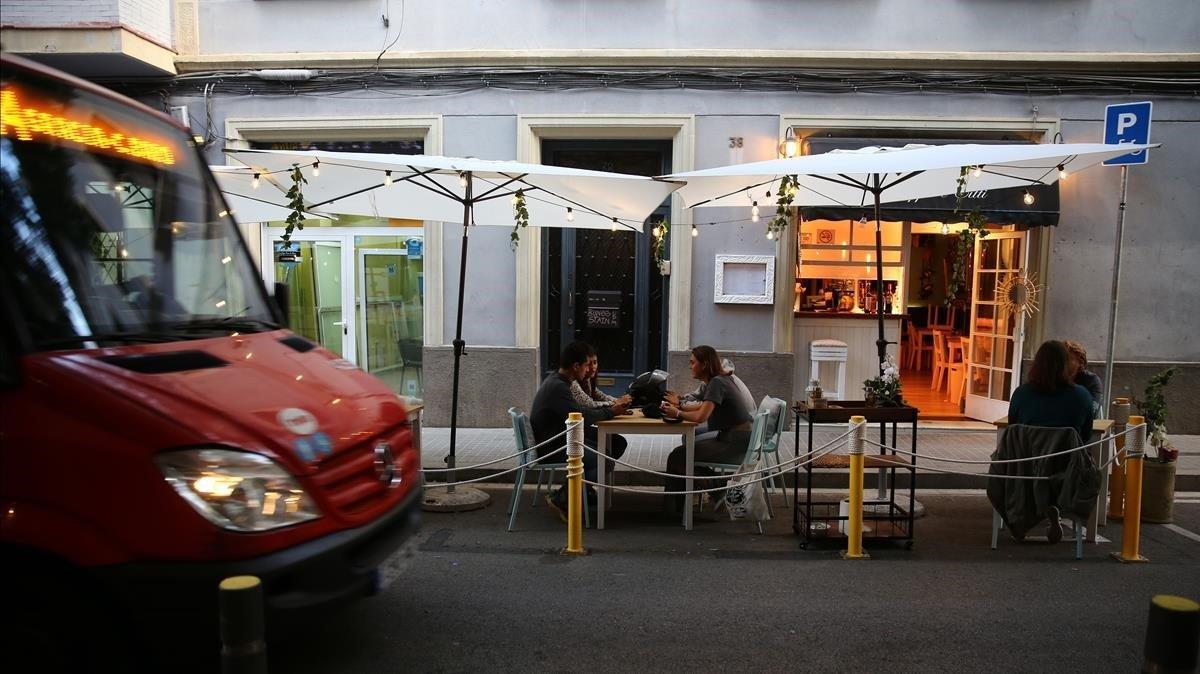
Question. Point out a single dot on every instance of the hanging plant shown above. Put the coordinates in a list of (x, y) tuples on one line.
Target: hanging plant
[(660, 232), (520, 219), (965, 250), (786, 194), (295, 195)]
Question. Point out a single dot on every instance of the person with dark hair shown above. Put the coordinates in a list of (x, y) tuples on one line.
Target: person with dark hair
[(722, 408), (554, 402), (1048, 397), (1077, 372)]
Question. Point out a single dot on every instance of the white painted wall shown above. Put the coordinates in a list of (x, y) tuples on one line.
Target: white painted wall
[(248, 26)]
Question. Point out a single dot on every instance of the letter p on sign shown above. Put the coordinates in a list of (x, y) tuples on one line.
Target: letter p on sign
[(1128, 123)]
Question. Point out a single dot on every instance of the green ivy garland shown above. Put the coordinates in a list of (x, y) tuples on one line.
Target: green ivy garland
[(786, 194), (661, 230), (295, 195), (520, 218), (976, 228)]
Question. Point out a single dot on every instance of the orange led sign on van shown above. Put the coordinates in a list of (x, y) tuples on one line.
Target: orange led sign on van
[(27, 118)]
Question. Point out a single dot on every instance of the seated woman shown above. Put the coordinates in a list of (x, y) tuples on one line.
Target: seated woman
[(587, 395), (1048, 397), (721, 408)]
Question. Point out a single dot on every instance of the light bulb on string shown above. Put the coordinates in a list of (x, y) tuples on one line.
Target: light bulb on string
[(657, 231), (770, 235), (570, 214), (1027, 198), (316, 172), (978, 171), (1062, 172), (462, 180), (254, 182), (614, 225), (695, 232), (387, 177), (754, 212), (945, 228)]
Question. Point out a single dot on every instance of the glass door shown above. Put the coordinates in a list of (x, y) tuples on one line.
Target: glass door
[(997, 330), (391, 314), (318, 307)]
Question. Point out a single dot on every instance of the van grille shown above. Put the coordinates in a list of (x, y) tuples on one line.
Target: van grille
[(349, 479)]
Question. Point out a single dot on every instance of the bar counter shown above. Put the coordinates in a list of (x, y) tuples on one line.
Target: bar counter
[(859, 331)]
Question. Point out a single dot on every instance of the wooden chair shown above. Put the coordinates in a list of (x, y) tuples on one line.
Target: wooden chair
[(958, 369), (940, 360), (917, 346)]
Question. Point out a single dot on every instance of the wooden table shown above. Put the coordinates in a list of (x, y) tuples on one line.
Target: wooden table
[(1101, 455), (414, 420), (637, 424)]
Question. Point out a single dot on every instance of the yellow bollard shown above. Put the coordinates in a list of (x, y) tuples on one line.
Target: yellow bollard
[(1172, 635), (574, 486), (854, 548), (1119, 412), (1132, 530)]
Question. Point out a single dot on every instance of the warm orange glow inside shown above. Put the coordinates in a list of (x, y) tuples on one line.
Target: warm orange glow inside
[(25, 119)]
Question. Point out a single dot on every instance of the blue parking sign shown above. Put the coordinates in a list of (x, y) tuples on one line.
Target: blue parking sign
[(1128, 123)]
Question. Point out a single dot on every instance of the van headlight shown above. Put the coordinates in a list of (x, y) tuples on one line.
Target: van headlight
[(239, 491)]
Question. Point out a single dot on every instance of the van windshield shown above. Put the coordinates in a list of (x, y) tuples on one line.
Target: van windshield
[(111, 229)]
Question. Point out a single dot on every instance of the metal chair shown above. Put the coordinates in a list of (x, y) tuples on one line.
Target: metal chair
[(523, 435), (1078, 529), (753, 453), (771, 439), (412, 356)]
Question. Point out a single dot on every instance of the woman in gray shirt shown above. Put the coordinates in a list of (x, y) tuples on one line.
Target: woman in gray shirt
[(721, 408)]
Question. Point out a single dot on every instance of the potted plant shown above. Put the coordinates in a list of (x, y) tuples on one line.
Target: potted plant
[(884, 390), (1158, 470)]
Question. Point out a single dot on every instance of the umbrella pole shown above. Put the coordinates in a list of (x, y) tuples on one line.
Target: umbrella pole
[(459, 345), (1116, 286), (882, 342)]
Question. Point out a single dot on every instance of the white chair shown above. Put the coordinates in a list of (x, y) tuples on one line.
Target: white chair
[(829, 351)]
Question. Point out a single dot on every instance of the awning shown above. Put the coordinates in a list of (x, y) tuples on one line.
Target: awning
[(1006, 206)]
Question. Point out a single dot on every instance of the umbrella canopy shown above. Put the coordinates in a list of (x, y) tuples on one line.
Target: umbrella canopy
[(478, 191), (874, 175), (248, 204), (847, 177), (421, 187)]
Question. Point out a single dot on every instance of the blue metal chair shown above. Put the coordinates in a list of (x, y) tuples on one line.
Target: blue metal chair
[(523, 435), (753, 454), (771, 440)]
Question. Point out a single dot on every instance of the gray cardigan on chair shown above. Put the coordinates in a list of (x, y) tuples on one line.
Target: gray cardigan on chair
[(1073, 484)]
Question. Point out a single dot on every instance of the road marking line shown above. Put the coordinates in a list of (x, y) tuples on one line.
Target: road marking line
[(1182, 532)]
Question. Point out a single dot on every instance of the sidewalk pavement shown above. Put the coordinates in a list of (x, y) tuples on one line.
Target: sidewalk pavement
[(479, 445)]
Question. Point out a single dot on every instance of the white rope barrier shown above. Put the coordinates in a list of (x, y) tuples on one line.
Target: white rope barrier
[(814, 455), (503, 458), (947, 459), (783, 465), (430, 485)]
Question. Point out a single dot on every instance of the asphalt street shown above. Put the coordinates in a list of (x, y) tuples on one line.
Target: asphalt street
[(652, 597)]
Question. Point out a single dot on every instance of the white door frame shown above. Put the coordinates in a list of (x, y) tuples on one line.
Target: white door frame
[(986, 408), (361, 273), (271, 234)]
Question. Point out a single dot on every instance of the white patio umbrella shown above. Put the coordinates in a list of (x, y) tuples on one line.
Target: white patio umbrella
[(478, 191), (876, 175), (248, 204)]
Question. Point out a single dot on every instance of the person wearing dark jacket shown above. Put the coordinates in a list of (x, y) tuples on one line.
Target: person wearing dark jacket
[(554, 401), (1077, 372), (1049, 398)]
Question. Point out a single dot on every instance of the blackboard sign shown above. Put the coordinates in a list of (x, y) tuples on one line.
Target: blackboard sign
[(603, 309)]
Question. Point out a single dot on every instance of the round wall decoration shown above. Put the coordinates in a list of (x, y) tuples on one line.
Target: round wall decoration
[(1019, 293)]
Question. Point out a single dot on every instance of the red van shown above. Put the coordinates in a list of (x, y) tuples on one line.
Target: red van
[(159, 428)]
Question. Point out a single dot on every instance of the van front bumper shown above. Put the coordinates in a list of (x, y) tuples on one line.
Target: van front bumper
[(324, 572)]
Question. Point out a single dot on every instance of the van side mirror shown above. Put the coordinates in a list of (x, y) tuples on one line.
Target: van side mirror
[(282, 299)]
